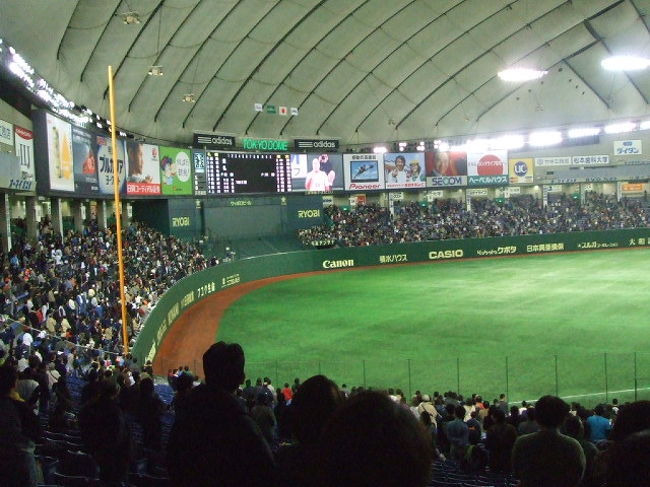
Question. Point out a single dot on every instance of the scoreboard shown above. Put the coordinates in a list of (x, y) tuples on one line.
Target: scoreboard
[(241, 173)]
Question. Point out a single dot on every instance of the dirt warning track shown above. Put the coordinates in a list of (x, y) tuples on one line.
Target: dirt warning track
[(195, 330)]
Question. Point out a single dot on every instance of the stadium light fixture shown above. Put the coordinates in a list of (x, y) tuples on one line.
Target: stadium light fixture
[(155, 71), (625, 63), (380, 149), (478, 145), (542, 139), (189, 98), (583, 132), (131, 18), (443, 146), (619, 128), (508, 142), (521, 74), (645, 125)]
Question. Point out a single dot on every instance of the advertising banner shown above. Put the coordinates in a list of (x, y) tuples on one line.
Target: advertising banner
[(404, 170), (105, 164), (213, 141), (59, 149), (316, 145), (521, 170), (434, 195), (6, 136), (143, 175), (487, 168), (175, 171), (590, 160), (628, 147), (446, 169), (84, 158), (316, 172), (553, 161), (363, 171), (632, 187), (24, 144)]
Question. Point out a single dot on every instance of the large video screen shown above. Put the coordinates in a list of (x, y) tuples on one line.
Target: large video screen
[(446, 169), (242, 173), (77, 160), (143, 176), (316, 172), (363, 171), (404, 170)]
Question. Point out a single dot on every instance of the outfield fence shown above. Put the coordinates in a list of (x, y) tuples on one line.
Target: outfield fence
[(519, 376), (601, 377)]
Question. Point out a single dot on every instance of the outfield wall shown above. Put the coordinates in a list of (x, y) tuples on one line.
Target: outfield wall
[(200, 285)]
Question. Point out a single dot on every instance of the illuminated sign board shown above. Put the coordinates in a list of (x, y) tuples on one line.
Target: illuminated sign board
[(266, 144)]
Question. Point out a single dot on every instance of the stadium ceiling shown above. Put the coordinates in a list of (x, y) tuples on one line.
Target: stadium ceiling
[(359, 70)]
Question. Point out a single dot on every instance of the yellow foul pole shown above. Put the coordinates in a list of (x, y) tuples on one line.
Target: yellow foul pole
[(118, 207)]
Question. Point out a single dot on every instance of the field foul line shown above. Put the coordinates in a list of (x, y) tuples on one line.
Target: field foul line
[(591, 394)]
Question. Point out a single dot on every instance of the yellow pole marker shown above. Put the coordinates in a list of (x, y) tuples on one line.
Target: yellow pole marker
[(118, 207)]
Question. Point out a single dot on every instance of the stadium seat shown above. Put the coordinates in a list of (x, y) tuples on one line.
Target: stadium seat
[(77, 463), (48, 467), (148, 481), (72, 480)]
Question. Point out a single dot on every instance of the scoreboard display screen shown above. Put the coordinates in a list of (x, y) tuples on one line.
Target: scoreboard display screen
[(241, 173)]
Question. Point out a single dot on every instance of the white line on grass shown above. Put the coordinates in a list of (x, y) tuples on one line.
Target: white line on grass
[(591, 394)]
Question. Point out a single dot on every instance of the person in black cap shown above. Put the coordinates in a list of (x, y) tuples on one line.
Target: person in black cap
[(216, 443)]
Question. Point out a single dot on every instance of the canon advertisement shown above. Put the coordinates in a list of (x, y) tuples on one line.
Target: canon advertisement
[(363, 172)]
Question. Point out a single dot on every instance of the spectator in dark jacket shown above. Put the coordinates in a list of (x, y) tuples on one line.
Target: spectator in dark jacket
[(216, 442)]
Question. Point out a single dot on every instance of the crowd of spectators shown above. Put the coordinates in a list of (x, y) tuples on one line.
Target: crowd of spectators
[(450, 219), (63, 291), (231, 431)]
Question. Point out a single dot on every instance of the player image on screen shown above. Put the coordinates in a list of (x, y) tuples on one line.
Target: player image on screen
[(317, 180), (396, 173), (136, 164), (447, 163), (327, 167)]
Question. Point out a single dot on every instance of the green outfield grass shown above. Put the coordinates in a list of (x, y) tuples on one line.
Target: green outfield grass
[(489, 325)]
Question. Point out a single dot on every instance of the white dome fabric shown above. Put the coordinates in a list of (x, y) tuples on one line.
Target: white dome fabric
[(360, 70)]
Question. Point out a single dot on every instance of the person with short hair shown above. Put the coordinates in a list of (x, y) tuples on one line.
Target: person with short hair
[(372, 441), (501, 437), (457, 433), (216, 442), (311, 407), (599, 425), (548, 458), (19, 429)]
